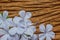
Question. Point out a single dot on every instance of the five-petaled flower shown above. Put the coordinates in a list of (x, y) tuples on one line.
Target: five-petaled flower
[(47, 34), (25, 22), (4, 21)]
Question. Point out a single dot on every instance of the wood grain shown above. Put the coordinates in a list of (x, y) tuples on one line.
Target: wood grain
[(43, 11)]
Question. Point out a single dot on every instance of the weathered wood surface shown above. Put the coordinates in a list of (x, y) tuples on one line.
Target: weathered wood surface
[(43, 11)]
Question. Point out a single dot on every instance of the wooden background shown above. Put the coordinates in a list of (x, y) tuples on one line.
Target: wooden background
[(43, 11)]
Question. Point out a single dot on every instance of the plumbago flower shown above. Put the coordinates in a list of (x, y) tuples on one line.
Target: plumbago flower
[(21, 23), (29, 33), (16, 29), (4, 21), (25, 15), (25, 22), (47, 32), (6, 36)]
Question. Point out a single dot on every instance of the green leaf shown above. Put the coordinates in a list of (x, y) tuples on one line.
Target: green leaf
[(7, 17), (1, 14)]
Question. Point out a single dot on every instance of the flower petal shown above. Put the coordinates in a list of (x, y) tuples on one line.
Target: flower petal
[(42, 28), (16, 19), (13, 30), (20, 30), (25, 23), (34, 37), (51, 34), (33, 28), (48, 38), (41, 36), (49, 27), (4, 25), (28, 15), (2, 32), (1, 21), (30, 31), (15, 37), (5, 14), (22, 13), (10, 22), (28, 22), (21, 25), (9, 19), (5, 37), (23, 38)]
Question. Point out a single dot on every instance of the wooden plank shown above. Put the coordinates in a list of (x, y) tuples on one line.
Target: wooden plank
[(4, 0), (48, 11)]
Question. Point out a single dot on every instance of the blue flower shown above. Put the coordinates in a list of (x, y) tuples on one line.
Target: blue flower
[(47, 32)]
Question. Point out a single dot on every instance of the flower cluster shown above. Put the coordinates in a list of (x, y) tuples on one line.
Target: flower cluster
[(17, 28), (47, 34), (21, 28)]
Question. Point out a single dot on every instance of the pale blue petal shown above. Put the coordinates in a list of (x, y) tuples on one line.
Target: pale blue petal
[(23, 38), (28, 22), (20, 30), (10, 22), (21, 25), (41, 36), (48, 38), (6, 23), (15, 37), (2, 32), (51, 34), (42, 28), (5, 37), (1, 21), (16, 19), (9, 19), (3, 25), (22, 13), (49, 27), (30, 31), (5, 14), (28, 15), (13, 31), (33, 28), (35, 37)]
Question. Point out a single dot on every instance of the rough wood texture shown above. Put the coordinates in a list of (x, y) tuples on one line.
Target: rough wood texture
[(43, 11)]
